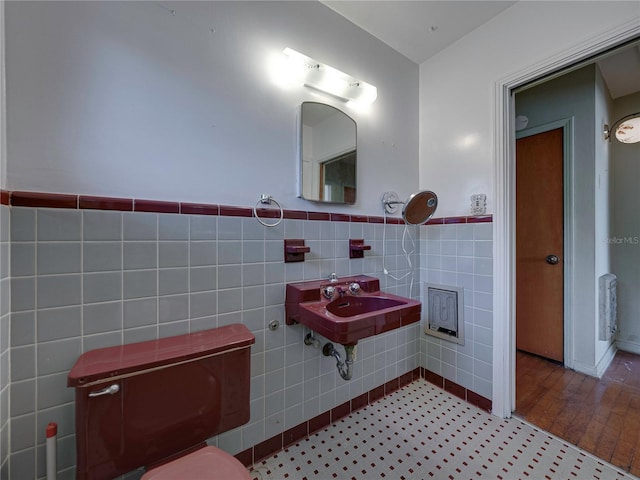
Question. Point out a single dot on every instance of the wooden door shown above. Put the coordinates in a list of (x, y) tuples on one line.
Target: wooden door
[(539, 245)]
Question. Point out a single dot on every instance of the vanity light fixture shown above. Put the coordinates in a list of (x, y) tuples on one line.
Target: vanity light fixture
[(329, 80), (627, 129)]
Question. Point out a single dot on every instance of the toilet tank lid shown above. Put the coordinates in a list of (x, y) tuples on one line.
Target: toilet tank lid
[(104, 363)]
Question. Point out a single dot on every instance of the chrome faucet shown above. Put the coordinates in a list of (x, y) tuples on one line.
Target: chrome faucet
[(333, 278)]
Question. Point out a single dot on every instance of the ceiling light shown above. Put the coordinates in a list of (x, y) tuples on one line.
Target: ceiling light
[(627, 129), (327, 79)]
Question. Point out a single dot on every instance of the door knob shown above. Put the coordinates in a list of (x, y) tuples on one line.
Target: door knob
[(552, 259)]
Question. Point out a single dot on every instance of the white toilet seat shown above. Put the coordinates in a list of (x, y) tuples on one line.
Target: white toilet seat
[(208, 463)]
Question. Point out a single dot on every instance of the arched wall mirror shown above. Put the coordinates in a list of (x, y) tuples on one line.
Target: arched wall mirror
[(328, 152)]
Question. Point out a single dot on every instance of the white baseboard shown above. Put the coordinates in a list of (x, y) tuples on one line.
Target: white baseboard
[(601, 367), (606, 360), (631, 347)]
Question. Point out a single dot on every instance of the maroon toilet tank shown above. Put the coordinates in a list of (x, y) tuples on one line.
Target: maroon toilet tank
[(139, 404)]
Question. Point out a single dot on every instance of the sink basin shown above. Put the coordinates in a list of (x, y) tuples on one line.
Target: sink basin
[(347, 318), (350, 306)]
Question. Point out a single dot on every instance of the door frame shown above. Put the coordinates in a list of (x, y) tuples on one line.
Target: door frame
[(504, 391), (567, 226)]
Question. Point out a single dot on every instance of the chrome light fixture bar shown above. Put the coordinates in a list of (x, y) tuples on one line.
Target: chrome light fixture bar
[(626, 130), (329, 80)]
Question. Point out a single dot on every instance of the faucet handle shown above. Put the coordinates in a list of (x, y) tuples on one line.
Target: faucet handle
[(354, 288), (329, 292), (333, 278)]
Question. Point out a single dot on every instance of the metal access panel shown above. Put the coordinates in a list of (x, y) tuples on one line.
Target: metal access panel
[(445, 307)]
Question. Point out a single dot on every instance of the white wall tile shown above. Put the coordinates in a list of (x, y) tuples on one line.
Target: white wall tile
[(59, 225), (64, 290), (139, 226), (229, 228), (483, 231), (98, 225), (147, 276), (202, 227), (101, 317), (468, 266), (173, 254)]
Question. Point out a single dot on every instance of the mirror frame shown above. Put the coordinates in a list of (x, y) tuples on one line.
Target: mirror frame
[(338, 157)]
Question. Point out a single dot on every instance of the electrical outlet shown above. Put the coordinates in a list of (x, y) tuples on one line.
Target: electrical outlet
[(478, 204)]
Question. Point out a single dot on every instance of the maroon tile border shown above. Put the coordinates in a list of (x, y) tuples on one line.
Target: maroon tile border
[(295, 214), (450, 220), (376, 394), (89, 202), (480, 219), (268, 213), (479, 401), (156, 206), (341, 411), (267, 448), (323, 216), (434, 378), (391, 386), (44, 200), (455, 389), (246, 457), (105, 203), (278, 442), (230, 211), (320, 421), (360, 401), (340, 217), (199, 209), (294, 434), (407, 378)]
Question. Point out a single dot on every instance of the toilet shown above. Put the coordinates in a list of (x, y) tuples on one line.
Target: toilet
[(154, 404)]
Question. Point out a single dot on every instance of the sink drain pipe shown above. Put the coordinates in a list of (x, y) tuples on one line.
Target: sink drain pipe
[(345, 369)]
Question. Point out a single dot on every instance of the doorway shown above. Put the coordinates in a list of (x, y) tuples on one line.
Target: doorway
[(540, 244), (504, 354), (579, 408)]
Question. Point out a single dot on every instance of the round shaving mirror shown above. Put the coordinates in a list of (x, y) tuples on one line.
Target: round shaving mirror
[(418, 208)]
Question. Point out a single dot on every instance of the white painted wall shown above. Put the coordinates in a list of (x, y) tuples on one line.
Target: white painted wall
[(626, 229), (130, 99), (457, 98)]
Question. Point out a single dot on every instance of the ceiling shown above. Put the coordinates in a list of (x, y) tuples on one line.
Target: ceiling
[(419, 29), (621, 71)]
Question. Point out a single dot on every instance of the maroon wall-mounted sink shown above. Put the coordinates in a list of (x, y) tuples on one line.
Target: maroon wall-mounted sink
[(347, 317)]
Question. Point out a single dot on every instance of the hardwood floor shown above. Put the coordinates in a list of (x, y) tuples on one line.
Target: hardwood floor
[(601, 416)]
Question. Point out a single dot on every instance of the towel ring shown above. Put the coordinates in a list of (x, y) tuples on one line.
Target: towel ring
[(266, 199)]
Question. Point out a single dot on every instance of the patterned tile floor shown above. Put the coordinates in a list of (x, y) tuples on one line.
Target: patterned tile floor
[(422, 432)]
